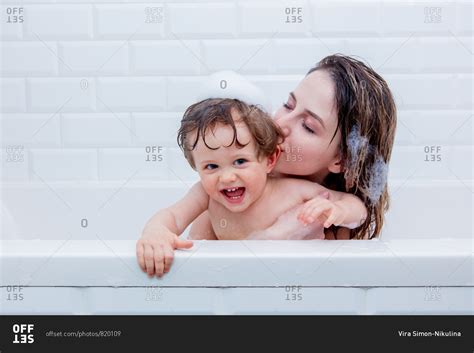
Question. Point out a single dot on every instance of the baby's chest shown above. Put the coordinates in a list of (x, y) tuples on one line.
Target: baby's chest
[(238, 225), (235, 226)]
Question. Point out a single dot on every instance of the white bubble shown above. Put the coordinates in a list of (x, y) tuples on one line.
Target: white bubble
[(230, 84), (378, 179), (355, 143)]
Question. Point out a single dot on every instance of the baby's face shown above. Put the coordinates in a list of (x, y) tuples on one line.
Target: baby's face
[(232, 176)]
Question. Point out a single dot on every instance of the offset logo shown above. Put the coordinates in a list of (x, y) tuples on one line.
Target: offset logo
[(23, 333)]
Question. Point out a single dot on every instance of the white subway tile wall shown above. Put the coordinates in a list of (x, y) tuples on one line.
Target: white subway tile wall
[(95, 92)]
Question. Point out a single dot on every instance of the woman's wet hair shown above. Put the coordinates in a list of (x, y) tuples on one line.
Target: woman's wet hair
[(206, 114), (367, 120)]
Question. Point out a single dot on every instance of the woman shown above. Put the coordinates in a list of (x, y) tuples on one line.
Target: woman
[(339, 126)]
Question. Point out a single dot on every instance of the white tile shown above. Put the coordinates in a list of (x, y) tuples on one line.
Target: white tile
[(343, 18), (423, 91), (97, 130), (53, 164), (149, 163), (429, 300), (386, 55), (427, 215), (430, 161), (274, 19), (182, 92), (442, 127), (166, 57), (157, 128), (28, 58), (131, 94), (308, 52), (192, 20), (464, 18), (56, 21), (13, 95), (15, 160), (244, 56), (17, 300), (36, 130), (130, 21), (292, 299), (61, 94), (95, 58), (11, 27), (179, 168), (431, 18), (463, 91), (449, 54)]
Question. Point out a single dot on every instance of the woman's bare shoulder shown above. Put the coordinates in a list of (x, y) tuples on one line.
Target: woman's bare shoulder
[(291, 182)]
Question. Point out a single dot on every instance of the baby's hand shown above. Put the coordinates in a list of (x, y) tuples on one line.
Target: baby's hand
[(323, 210), (155, 252)]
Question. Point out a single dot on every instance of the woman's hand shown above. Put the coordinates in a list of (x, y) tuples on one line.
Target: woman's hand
[(155, 250), (323, 210)]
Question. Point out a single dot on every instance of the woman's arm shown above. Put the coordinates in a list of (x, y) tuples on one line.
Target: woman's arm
[(331, 207)]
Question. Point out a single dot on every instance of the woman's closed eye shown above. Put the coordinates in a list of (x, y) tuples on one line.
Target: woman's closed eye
[(307, 128), (288, 106)]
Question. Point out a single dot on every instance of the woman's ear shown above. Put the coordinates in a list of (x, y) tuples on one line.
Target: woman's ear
[(273, 158), (336, 165)]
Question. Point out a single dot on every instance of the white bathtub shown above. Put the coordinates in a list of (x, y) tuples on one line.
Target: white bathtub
[(234, 277), (70, 249)]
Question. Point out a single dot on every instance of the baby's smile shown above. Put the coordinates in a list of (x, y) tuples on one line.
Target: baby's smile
[(234, 195)]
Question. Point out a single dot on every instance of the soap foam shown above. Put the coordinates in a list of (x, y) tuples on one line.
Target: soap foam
[(378, 179), (229, 84)]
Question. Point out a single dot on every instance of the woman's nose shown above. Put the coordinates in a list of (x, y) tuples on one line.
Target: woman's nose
[(286, 131), (284, 122)]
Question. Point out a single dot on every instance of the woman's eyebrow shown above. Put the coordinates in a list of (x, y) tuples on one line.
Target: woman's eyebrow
[(313, 114)]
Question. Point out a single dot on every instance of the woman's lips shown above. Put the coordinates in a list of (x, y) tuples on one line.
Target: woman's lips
[(234, 195)]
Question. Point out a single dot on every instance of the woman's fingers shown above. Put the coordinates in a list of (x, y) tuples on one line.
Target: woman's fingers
[(314, 211), (331, 219), (306, 210), (335, 217)]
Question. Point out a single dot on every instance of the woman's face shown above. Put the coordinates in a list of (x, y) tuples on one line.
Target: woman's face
[(308, 120)]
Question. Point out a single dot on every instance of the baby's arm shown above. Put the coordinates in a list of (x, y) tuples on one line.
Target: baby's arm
[(332, 207), (202, 228), (160, 236)]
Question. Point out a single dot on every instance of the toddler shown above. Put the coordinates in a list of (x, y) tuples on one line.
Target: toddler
[(234, 146)]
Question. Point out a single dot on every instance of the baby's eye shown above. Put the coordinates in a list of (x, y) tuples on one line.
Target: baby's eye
[(210, 166), (240, 161)]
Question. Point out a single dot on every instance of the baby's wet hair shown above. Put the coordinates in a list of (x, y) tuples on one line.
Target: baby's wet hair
[(208, 113)]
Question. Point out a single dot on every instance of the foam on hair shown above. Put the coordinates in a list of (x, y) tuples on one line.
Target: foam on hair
[(378, 179)]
